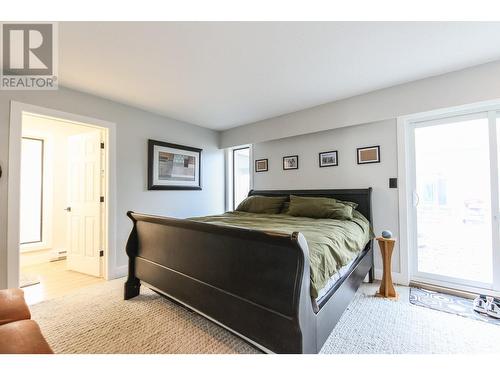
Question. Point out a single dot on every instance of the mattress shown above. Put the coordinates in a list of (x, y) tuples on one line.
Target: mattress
[(331, 283), (333, 280)]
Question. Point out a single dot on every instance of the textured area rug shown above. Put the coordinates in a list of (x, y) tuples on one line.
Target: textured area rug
[(97, 320), (449, 304)]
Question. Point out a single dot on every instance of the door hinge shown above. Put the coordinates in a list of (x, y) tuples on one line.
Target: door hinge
[(102, 144), (102, 200), (101, 253)]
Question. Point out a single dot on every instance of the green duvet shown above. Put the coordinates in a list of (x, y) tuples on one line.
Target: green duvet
[(332, 243)]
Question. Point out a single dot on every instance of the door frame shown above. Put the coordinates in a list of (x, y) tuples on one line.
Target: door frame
[(406, 166), (17, 109)]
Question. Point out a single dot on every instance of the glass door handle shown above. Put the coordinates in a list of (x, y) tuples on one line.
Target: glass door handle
[(67, 209), (416, 199)]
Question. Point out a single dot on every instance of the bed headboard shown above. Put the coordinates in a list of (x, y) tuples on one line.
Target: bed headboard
[(360, 196)]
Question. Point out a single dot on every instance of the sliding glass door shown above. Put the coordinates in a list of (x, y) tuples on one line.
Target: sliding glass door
[(455, 210)]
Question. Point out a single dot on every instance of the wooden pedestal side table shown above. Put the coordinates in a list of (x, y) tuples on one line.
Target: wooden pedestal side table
[(386, 287)]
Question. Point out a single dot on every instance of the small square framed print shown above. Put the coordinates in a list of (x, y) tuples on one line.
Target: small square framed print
[(290, 162), (261, 165), (328, 159), (368, 155)]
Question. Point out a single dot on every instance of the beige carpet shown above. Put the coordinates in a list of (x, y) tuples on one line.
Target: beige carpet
[(97, 320)]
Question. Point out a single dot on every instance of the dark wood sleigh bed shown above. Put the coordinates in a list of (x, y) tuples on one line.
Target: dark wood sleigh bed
[(254, 283)]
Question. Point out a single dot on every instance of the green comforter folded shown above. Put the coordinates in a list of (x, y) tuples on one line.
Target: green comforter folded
[(332, 243)]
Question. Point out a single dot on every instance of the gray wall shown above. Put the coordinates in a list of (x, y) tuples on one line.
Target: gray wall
[(348, 174), (462, 87), (134, 127)]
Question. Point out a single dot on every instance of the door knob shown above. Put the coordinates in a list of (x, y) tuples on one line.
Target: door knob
[(68, 209), (416, 199)]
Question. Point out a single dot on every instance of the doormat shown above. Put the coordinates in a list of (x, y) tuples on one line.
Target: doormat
[(449, 304), (28, 280)]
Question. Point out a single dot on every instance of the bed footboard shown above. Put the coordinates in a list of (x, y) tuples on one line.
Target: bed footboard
[(254, 283)]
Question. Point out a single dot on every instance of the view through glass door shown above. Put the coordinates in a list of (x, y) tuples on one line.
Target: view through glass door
[(455, 185)]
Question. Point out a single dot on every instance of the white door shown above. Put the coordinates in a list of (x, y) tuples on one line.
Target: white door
[(455, 213), (84, 213)]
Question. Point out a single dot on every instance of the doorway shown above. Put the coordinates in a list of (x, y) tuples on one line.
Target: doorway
[(110, 268), (453, 200), (62, 221), (65, 247)]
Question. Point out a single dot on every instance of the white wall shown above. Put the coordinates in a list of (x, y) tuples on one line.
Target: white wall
[(134, 128), (466, 86), (347, 175)]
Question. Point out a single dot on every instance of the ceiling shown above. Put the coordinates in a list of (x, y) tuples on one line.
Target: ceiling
[(221, 75)]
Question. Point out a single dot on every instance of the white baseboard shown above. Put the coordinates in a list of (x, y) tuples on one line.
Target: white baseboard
[(34, 257), (397, 278)]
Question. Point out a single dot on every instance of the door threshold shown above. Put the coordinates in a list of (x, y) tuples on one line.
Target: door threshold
[(454, 291)]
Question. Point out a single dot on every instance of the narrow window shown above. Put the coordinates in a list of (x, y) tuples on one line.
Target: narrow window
[(31, 190), (241, 174)]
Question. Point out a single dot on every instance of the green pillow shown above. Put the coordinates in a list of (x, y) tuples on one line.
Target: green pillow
[(259, 204), (352, 204), (285, 208), (286, 205), (319, 208)]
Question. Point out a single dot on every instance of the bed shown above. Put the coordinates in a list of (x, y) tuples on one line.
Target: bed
[(255, 282)]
